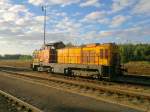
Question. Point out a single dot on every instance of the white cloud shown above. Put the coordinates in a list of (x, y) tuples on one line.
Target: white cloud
[(53, 2), (2, 2), (142, 7), (89, 35), (118, 20), (95, 15), (104, 21), (68, 26), (9, 16), (20, 21), (63, 2), (63, 14), (18, 8), (16, 21), (21, 26), (39, 18), (86, 3), (36, 2), (118, 5), (11, 12), (134, 34)]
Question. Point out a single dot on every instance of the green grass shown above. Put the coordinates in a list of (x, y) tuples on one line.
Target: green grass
[(15, 63), (138, 67)]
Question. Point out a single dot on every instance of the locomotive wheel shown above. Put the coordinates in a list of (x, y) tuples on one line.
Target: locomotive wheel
[(40, 69), (34, 68), (50, 70), (99, 77), (67, 72)]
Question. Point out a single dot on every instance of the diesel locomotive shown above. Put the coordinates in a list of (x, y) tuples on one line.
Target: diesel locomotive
[(91, 60)]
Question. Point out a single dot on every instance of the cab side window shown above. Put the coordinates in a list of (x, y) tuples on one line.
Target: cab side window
[(106, 53), (101, 53)]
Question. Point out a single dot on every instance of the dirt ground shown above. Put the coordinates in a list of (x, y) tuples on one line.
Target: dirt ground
[(15, 63), (140, 68)]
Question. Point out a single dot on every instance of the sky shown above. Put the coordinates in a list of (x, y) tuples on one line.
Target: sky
[(75, 21)]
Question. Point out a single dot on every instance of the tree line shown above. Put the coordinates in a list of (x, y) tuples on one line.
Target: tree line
[(131, 52), (16, 57)]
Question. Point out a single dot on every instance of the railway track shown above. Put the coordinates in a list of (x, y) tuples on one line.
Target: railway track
[(15, 68), (105, 92), (17, 105), (128, 86), (127, 78), (134, 79), (122, 85)]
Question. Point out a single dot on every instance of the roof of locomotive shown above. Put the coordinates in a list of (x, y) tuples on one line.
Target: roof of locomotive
[(60, 45), (91, 45), (56, 45), (97, 44)]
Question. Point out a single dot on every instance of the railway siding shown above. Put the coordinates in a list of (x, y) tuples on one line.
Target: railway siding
[(136, 99), (20, 105), (92, 86)]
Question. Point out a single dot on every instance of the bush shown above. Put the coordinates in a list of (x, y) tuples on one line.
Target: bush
[(138, 52)]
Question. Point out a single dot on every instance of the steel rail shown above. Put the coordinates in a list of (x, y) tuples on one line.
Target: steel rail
[(19, 103), (130, 79), (130, 95), (93, 87)]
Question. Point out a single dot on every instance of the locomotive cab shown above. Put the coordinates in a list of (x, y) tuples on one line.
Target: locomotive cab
[(47, 54)]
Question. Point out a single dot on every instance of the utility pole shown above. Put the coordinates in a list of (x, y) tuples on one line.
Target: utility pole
[(44, 10)]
